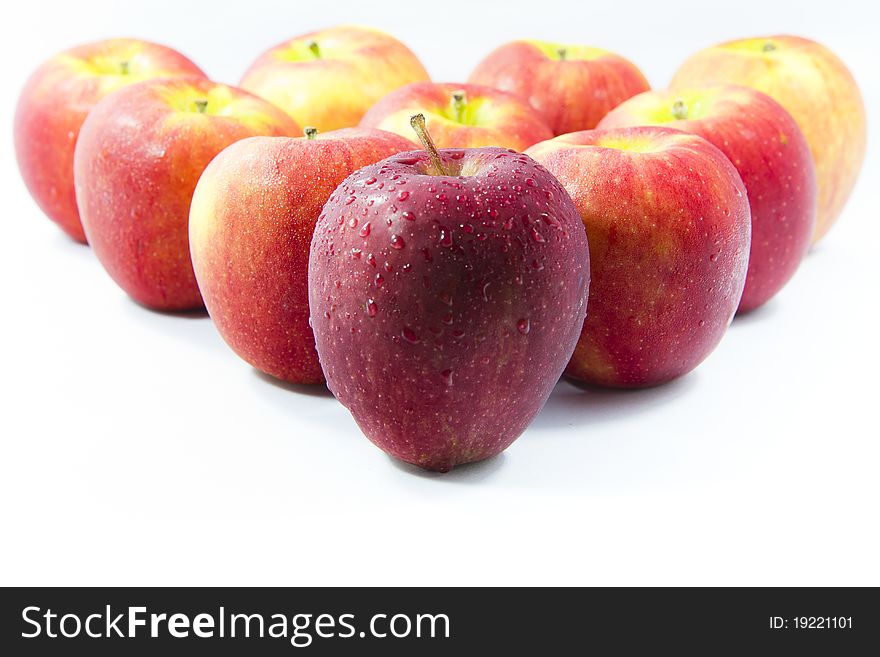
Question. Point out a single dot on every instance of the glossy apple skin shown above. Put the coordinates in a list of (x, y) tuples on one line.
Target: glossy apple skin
[(493, 117), (444, 326), (138, 158), (815, 87), (251, 224), (357, 66), (669, 229), (771, 156), (572, 93), (55, 101)]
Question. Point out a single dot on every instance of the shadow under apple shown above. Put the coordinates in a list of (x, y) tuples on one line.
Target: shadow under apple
[(572, 403), (466, 473), (308, 389)]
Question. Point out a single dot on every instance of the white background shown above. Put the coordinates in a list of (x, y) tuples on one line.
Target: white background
[(138, 449)]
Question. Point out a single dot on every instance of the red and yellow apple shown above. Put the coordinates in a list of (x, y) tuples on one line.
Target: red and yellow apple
[(461, 115), (816, 88), (250, 229), (572, 86), (447, 294), (668, 223), (138, 158), (55, 101), (329, 79), (771, 156)]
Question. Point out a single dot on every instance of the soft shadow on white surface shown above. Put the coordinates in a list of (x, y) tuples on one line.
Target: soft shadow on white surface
[(766, 313), (469, 473), (309, 390), (192, 327), (571, 404), (193, 313), (61, 241)]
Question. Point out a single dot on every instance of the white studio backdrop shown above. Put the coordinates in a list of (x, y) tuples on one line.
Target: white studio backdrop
[(137, 448)]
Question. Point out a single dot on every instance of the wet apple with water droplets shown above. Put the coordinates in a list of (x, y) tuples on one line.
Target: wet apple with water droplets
[(445, 338)]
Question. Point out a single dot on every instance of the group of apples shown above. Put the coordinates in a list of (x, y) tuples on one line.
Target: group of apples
[(560, 216)]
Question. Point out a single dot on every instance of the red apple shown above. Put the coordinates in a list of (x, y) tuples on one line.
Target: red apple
[(461, 115), (329, 79), (138, 158), (445, 325), (571, 86), (250, 229), (55, 101), (668, 222), (816, 88), (772, 157)]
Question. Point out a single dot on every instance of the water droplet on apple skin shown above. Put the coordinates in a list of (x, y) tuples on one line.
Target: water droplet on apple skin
[(409, 335)]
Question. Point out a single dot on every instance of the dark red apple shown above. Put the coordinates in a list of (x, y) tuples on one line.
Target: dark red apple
[(446, 298)]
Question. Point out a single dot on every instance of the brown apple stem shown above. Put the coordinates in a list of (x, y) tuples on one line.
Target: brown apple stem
[(418, 124), (459, 103), (679, 110), (768, 46), (310, 132), (201, 105), (316, 50), (123, 67), (563, 53)]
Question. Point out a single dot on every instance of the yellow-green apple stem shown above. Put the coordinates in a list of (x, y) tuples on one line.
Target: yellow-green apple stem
[(201, 105), (418, 124), (459, 103), (316, 50), (123, 67), (679, 110), (310, 132), (768, 46), (563, 53)]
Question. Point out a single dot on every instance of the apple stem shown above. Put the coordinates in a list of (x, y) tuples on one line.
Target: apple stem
[(316, 50), (563, 53), (459, 103), (123, 67), (201, 105), (768, 46), (310, 132), (418, 124), (679, 110)]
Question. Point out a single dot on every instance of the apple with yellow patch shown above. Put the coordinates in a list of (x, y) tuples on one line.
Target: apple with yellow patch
[(55, 101), (815, 87), (330, 78), (250, 229), (572, 86), (138, 158), (668, 224), (771, 156), (461, 116)]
